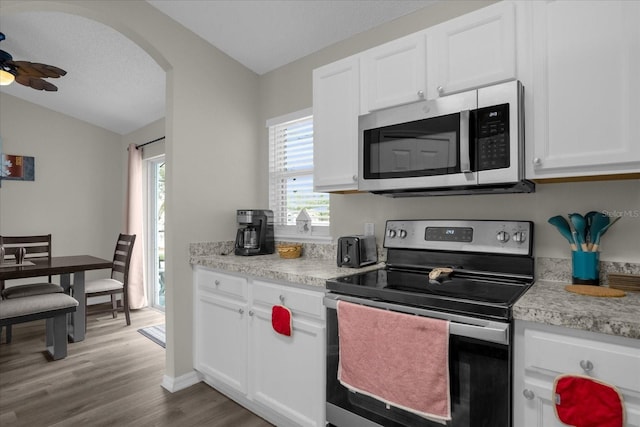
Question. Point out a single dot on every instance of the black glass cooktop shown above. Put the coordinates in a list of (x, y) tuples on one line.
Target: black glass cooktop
[(458, 292)]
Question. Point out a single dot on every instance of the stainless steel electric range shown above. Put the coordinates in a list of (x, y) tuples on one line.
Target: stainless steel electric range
[(468, 272)]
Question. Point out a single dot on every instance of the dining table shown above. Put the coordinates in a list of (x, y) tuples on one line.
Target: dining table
[(64, 266)]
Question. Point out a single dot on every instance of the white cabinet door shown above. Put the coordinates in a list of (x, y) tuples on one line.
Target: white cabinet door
[(538, 407), (586, 94), (336, 98), (221, 339), (393, 73), (473, 50), (543, 352), (287, 372)]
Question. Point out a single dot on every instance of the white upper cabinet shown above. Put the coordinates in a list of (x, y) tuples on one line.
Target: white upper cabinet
[(473, 50), (586, 90), (394, 73), (336, 99)]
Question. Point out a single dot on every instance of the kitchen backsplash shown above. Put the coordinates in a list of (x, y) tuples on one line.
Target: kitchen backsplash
[(552, 269), (559, 269)]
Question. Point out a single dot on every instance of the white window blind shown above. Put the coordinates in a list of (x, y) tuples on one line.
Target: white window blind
[(291, 176)]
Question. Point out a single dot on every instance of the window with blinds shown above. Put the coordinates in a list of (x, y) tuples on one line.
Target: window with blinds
[(291, 175)]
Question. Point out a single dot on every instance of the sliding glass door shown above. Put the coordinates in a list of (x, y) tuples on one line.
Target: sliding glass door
[(155, 230)]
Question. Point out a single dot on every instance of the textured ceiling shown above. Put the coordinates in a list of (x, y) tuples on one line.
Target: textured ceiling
[(114, 84)]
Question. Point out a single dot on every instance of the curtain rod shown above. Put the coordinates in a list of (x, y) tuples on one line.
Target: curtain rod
[(150, 142)]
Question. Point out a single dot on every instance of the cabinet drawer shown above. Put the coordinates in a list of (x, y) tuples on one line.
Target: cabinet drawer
[(561, 354), (298, 300), (223, 284)]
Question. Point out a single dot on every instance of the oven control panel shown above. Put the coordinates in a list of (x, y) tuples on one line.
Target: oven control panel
[(488, 236)]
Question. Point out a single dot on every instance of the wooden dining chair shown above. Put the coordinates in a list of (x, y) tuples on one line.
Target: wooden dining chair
[(118, 283), (36, 248)]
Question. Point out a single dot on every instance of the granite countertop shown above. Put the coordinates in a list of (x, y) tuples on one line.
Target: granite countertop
[(546, 301), (305, 271), (549, 303)]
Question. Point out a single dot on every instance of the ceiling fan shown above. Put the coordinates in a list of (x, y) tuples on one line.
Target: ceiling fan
[(27, 73)]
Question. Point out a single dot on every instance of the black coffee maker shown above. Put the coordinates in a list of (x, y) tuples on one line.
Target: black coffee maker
[(255, 232)]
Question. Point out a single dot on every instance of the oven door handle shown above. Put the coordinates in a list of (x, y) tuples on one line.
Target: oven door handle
[(464, 326)]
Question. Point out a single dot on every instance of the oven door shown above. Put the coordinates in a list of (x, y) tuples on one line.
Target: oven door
[(479, 367)]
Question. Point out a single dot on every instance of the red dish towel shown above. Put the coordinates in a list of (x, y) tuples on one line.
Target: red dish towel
[(281, 320), (582, 401), (399, 359)]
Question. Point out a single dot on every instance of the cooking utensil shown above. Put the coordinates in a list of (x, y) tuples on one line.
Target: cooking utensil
[(580, 225), (604, 229), (598, 222), (589, 217), (563, 227)]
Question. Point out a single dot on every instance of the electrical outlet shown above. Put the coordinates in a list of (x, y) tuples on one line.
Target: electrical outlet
[(369, 229)]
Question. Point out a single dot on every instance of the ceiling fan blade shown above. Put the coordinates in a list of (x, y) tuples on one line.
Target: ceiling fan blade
[(36, 69), (35, 83), (25, 68), (49, 87), (49, 70)]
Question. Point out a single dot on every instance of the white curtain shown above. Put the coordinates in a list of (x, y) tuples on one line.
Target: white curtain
[(137, 289)]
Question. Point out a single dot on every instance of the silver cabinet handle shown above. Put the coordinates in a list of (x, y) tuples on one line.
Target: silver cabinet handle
[(421, 94), (241, 311), (528, 394), (537, 161), (586, 365), (355, 178), (281, 299), (217, 282), (251, 313), (440, 90)]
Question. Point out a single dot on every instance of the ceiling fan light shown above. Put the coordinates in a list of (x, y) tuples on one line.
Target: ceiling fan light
[(6, 78)]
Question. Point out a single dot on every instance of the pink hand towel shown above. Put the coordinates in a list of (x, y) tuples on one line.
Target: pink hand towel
[(399, 359)]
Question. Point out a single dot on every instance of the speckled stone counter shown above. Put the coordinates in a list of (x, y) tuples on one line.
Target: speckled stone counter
[(549, 303), (311, 270)]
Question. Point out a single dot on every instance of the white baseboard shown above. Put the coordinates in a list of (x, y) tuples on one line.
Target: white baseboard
[(173, 384)]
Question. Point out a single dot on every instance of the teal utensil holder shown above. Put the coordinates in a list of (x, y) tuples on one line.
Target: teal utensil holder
[(585, 268)]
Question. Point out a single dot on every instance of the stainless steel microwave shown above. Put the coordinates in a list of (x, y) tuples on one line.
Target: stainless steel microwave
[(469, 142)]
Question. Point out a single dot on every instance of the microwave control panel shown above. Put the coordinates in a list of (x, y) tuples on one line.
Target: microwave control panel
[(492, 137)]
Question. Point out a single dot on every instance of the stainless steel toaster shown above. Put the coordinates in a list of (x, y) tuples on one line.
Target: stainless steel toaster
[(356, 251)]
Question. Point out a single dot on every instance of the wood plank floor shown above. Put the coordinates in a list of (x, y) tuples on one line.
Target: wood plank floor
[(112, 378)]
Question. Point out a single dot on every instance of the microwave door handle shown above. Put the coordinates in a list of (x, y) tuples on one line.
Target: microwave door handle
[(465, 162)]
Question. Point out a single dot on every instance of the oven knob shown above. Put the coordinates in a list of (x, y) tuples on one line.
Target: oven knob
[(403, 234), (519, 236), (391, 233), (502, 236)]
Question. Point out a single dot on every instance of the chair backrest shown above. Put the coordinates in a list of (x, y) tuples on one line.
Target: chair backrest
[(122, 258), (36, 248)]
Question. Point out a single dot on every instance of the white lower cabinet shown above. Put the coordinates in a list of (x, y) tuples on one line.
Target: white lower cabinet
[(221, 352), (288, 373), (543, 352), (281, 378)]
